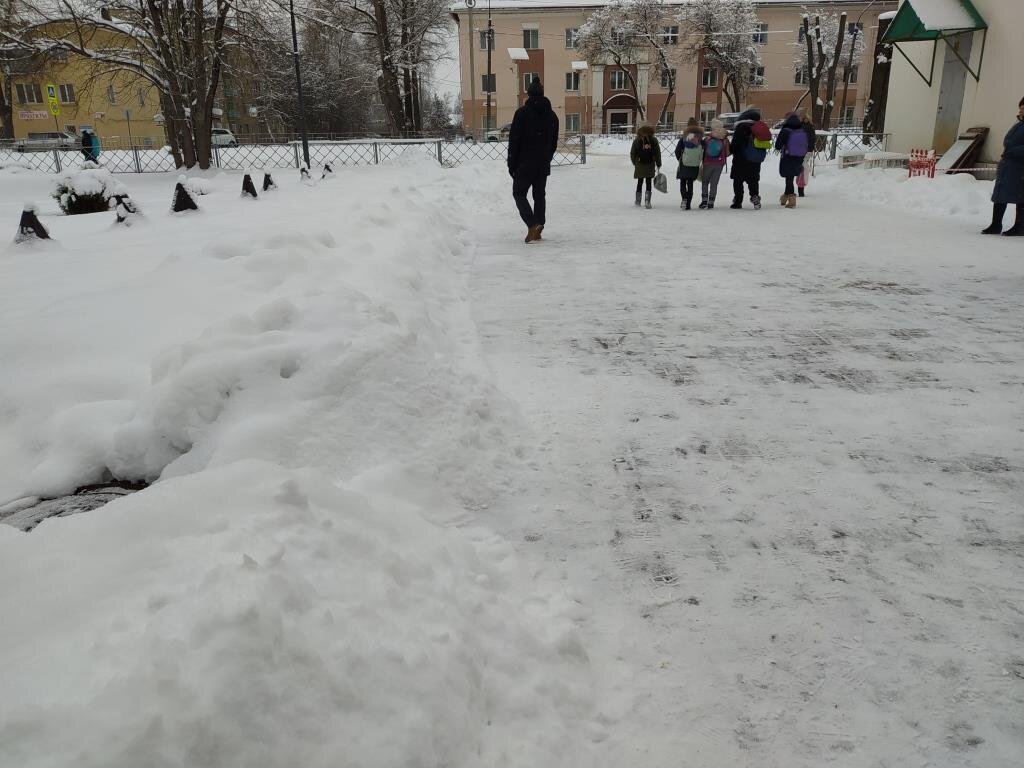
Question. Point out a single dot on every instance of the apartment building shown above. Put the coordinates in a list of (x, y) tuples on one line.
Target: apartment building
[(596, 98), (114, 105)]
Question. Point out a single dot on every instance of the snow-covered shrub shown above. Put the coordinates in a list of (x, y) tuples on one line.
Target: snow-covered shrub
[(199, 186), (87, 190)]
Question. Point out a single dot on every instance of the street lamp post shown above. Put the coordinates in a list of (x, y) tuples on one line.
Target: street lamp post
[(298, 86), (490, 50)]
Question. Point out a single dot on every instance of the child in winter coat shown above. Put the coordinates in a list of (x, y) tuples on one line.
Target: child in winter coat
[(716, 150), (808, 167), (751, 141), (792, 143), (646, 157), (688, 152)]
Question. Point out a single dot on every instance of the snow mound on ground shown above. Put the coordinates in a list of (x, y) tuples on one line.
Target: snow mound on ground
[(254, 616), (199, 185), (959, 195), (610, 145)]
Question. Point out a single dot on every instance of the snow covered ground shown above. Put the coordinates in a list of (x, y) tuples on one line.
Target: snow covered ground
[(725, 487)]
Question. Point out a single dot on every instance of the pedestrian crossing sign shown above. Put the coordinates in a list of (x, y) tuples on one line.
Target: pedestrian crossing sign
[(51, 96)]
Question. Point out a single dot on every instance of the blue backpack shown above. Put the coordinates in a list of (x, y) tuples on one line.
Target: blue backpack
[(796, 143)]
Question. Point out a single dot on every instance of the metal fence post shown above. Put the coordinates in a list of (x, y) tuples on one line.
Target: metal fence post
[(835, 145), (56, 160), (216, 155), (376, 155), (440, 159), (583, 149), (296, 148), (138, 163)]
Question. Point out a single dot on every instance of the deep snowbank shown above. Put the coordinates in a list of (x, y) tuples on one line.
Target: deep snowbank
[(253, 616), (301, 375)]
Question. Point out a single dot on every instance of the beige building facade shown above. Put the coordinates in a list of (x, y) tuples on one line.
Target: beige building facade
[(926, 116), (596, 98)]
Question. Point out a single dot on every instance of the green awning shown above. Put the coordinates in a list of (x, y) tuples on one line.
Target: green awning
[(935, 20)]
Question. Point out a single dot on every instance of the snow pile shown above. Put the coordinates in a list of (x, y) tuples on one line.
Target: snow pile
[(86, 190), (943, 14), (254, 616), (959, 195), (199, 185), (14, 162), (609, 145)]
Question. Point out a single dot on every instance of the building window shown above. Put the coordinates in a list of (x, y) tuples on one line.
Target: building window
[(29, 93), (572, 35), (572, 81), (489, 125), (531, 39), (484, 35), (854, 74), (670, 35), (619, 37), (757, 77), (707, 113), (761, 36), (801, 34), (67, 93), (668, 78), (572, 122), (709, 77), (487, 83), (800, 78), (59, 54), (111, 95), (848, 116), (147, 141), (528, 78), (668, 122), (619, 80), (69, 128)]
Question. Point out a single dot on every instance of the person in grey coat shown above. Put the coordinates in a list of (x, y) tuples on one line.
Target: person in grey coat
[(1009, 188)]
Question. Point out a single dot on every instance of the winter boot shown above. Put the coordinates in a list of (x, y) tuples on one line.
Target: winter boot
[(783, 199), (638, 198), (647, 201), (1018, 225), (711, 203), (703, 202), (689, 199), (800, 191), (533, 233), (756, 200), (682, 204), (540, 231), (737, 203), (791, 201)]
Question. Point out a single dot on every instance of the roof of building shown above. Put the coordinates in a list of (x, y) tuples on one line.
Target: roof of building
[(528, 5)]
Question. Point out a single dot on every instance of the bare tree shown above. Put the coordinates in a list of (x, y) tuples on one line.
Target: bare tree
[(607, 37), (721, 34), (819, 55), (179, 47)]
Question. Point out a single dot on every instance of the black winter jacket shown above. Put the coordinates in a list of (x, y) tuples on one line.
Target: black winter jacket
[(532, 139)]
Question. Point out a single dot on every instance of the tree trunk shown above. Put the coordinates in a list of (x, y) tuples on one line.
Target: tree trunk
[(390, 92), (847, 71), (830, 83), (7, 107), (417, 112)]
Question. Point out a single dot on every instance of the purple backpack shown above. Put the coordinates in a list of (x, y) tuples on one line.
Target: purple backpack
[(796, 143)]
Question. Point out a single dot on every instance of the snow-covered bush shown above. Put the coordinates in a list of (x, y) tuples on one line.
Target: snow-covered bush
[(87, 190)]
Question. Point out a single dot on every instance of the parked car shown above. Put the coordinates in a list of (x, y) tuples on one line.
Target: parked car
[(47, 140), (222, 137), (729, 120), (499, 134)]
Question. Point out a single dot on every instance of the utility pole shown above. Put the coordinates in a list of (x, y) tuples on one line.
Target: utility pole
[(472, 70), (298, 86), (490, 50)]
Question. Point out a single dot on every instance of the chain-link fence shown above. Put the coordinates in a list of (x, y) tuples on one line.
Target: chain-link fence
[(571, 150)]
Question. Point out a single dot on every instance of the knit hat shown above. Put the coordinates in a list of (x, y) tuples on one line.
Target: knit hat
[(536, 89), (692, 123)]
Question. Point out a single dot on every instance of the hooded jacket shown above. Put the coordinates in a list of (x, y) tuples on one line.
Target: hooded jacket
[(641, 168), (790, 165), (533, 138), (743, 169)]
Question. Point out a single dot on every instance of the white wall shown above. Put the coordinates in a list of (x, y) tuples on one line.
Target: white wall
[(992, 102)]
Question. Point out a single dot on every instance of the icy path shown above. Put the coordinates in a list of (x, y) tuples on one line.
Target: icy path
[(780, 456)]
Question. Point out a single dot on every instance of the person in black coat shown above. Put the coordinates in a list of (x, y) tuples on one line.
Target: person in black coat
[(531, 146), (744, 171), (791, 161), (1009, 187)]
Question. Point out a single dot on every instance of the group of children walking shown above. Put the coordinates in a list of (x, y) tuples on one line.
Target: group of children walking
[(703, 155)]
